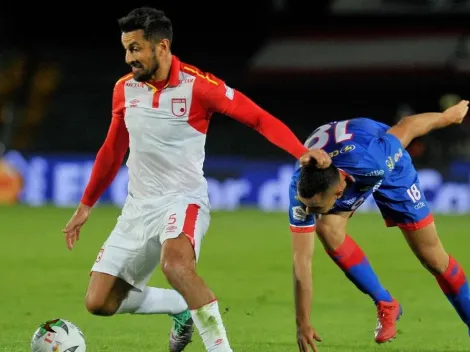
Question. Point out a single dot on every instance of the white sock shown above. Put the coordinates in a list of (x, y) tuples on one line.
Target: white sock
[(153, 300), (211, 328)]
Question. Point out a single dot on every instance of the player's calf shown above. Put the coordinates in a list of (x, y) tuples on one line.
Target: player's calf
[(352, 260), (179, 266), (349, 257), (449, 274), (347, 254), (427, 247), (105, 294)]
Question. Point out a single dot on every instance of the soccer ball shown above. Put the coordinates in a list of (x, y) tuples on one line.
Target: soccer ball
[(58, 335)]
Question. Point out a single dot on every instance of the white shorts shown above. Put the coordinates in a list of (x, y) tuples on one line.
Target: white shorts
[(132, 250)]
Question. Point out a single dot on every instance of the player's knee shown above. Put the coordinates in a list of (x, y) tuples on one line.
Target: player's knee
[(178, 259), (434, 258), (428, 248), (100, 305), (330, 236), (435, 262), (174, 268)]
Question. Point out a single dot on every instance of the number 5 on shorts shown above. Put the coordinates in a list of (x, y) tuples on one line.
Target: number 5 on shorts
[(171, 219)]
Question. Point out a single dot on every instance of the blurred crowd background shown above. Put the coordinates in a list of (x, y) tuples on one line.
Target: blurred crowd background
[(306, 62)]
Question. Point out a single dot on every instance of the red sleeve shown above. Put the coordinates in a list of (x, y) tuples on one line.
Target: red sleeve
[(111, 154), (218, 97)]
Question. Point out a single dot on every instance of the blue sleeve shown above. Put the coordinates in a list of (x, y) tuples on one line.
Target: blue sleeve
[(380, 159), (299, 220)]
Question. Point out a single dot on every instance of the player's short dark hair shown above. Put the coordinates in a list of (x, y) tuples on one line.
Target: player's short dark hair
[(153, 22), (314, 180)]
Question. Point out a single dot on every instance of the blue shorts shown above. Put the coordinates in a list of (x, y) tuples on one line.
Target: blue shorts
[(401, 200), (399, 197)]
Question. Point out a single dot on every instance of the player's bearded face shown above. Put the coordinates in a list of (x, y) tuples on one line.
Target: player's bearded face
[(141, 55), (143, 70)]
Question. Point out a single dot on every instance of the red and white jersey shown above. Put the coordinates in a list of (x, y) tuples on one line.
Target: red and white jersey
[(164, 126), (167, 132)]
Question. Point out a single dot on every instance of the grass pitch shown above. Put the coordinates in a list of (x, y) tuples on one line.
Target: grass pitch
[(246, 260)]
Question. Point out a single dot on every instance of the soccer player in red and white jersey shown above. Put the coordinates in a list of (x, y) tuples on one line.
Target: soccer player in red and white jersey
[(161, 113)]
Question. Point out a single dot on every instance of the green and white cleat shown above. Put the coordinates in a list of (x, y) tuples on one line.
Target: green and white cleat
[(182, 331)]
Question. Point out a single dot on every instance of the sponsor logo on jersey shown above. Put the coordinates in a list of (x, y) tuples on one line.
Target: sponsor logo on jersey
[(134, 103), (350, 201), (333, 153), (419, 205), (377, 186), (135, 84), (347, 148), (186, 81), (376, 173)]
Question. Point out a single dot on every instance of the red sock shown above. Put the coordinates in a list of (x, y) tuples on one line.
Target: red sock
[(347, 254), (452, 279), (453, 283)]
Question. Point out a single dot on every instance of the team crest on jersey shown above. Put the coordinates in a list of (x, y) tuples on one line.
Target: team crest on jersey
[(398, 155), (178, 106), (390, 164)]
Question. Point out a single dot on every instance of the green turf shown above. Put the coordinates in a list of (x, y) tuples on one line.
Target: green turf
[(246, 260)]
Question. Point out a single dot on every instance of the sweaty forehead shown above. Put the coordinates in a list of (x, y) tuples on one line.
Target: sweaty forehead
[(134, 37)]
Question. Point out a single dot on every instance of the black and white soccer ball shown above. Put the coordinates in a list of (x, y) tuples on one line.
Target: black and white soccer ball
[(58, 335)]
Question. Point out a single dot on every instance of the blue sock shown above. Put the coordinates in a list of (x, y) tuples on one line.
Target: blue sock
[(352, 260)]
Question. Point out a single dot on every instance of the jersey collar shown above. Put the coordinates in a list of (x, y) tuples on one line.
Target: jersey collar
[(345, 174), (174, 78)]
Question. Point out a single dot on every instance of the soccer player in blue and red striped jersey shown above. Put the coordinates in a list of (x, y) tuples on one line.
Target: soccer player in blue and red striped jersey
[(368, 158)]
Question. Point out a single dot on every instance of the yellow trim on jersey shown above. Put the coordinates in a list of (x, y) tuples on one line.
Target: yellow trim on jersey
[(206, 77), (123, 78), (155, 89)]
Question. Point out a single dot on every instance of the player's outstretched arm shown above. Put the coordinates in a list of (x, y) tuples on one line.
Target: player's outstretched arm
[(419, 125), (217, 96), (274, 130), (303, 249)]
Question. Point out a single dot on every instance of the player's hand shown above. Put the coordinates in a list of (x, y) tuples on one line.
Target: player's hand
[(306, 337), (323, 160), (72, 229), (456, 113)]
